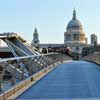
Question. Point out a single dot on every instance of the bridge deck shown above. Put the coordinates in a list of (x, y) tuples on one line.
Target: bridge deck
[(69, 80)]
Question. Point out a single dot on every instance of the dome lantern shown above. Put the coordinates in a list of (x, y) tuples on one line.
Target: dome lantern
[(74, 14), (74, 23)]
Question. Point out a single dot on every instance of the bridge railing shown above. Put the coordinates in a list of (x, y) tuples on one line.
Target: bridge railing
[(23, 67), (25, 84), (94, 57)]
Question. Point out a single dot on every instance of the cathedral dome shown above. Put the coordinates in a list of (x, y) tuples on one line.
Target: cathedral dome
[(74, 32), (74, 23)]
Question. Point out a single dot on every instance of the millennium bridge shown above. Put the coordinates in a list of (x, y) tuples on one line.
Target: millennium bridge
[(32, 75)]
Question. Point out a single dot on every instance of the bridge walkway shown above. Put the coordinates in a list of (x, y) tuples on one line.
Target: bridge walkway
[(76, 79)]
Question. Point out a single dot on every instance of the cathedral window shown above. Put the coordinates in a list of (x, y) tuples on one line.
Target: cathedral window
[(68, 37), (75, 36)]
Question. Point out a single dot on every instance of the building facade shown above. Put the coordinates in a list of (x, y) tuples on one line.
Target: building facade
[(93, 39)]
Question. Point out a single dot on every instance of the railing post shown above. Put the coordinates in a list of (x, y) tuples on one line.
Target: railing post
[(0, 84), (22, 69), (2, 71), (13, 81)]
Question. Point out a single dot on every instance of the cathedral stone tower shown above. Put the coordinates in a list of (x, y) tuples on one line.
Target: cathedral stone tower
[(35, 41)]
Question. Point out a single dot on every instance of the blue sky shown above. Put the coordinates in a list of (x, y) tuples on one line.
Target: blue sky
[(49, 16)]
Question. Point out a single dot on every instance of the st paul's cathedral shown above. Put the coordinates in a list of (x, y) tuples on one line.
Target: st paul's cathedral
[(74, 36)]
